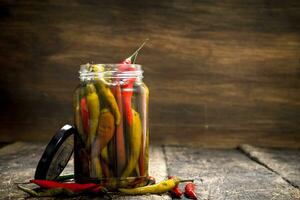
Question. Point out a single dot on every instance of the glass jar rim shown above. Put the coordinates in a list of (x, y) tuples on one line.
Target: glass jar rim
[(110, 71)]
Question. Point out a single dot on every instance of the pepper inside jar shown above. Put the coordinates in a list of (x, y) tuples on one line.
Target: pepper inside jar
[(111, 117)]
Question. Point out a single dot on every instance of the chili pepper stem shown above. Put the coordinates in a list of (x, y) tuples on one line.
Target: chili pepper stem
[(187, 180), (136, 51), (23, 183), (27, 190), (135, 57)]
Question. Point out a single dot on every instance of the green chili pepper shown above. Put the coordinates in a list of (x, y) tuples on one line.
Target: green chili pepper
[(135, 137), (158, 188), (93, 105)]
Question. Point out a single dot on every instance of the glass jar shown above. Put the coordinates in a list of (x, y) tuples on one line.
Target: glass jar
[(111, 118)]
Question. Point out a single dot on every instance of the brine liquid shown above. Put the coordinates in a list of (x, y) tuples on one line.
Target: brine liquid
[(112, 143)]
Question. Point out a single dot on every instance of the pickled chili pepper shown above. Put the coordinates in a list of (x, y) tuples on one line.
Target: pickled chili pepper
[(106, 129), (84, 115), (127, 89), (95, 167), (144, 93), (189, 191), (104, 154), (120, 142), (74, 187), (93, 105), (159, 188), (175, 192), (109, 97), (105, 169), (135, 140)]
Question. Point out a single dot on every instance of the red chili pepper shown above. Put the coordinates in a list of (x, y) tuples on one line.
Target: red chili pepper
[(189, 191), (84, 115), (74, 187), (127, 89), (175, 192), (120, 142)]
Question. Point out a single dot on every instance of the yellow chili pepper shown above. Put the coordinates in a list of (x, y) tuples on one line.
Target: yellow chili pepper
[(109, 97), (93, 104), (106, 130), (104, 155), (144, 99), (159, 188), (95, 168), (135, 142)]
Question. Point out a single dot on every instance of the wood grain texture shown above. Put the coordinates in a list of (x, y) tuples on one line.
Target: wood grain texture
[(227, 174), (221, 73), (19, 160), (285, 162)]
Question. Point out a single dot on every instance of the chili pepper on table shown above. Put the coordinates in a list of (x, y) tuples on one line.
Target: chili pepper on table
[(74, 187), (159, 188), (175, 192), (149, 180), (189, 191), (135, 140)]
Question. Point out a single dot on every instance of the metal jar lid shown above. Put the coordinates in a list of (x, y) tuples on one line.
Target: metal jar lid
[(57, 154)]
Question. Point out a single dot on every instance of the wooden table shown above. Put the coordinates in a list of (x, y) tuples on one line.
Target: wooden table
[(244, 173)]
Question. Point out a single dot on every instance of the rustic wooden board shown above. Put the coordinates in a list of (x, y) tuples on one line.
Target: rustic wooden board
[(285, 162), (227, 174), (18, 162), (219, 174), (224, 73)]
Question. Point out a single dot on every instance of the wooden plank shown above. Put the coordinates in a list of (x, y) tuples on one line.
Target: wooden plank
[(18, 162), (227, 70), (285, 162), (227, 174)]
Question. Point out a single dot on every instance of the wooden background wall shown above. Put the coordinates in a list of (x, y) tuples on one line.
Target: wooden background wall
[(220, 73)]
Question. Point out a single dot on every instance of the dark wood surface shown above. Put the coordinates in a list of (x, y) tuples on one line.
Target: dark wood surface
[(227, 174), (285, 162), (220, 73), (218, 173)]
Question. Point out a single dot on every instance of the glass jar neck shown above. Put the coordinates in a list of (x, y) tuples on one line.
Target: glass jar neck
[(112, 74)]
